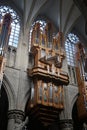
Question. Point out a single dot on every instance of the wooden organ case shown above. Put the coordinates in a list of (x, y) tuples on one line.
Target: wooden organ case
[(47, 76), (82, 83)]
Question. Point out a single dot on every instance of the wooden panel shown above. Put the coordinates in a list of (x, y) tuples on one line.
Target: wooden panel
[(44, 114), (82, 113)]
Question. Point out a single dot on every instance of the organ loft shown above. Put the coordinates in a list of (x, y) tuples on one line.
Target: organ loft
[(46, 74)]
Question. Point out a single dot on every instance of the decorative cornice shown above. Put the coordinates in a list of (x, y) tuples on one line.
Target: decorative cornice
[(41, 73)]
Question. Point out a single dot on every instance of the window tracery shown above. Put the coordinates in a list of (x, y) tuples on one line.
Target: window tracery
[(15, 25), (70, 47)]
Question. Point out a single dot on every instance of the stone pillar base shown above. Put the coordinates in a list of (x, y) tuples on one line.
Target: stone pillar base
[(66, 124)]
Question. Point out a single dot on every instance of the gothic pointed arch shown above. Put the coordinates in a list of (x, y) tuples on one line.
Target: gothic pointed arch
[(10, 93), (15, 25)]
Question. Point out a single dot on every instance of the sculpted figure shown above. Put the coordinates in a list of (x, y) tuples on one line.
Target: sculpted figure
[(21, 125)]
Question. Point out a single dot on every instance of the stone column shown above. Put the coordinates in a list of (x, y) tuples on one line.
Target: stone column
[(11, 56), (15, 119), (66, 124)]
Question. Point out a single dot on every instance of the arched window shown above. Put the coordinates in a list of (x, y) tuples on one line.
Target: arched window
[(15, 25), (70, 42), (70, 47)]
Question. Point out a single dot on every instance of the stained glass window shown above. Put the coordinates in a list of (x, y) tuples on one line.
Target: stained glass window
[(15, 25), (70, 42)]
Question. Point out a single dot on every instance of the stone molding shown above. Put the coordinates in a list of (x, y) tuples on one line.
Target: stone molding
[(16, 114), (66, 123)]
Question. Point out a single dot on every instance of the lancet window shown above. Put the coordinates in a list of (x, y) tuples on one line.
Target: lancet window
[(70, 47), (15, 25)]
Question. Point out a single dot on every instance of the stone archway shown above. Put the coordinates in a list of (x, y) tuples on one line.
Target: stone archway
[(10, 93), (76, 124), (7, 102)]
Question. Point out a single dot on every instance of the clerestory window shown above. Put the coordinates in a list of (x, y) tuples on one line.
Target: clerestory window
[(15, 25), (70, 47)]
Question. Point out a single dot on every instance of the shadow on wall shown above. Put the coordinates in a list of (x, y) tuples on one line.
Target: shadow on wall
[(37, 125), (3, 109), (76, 123)]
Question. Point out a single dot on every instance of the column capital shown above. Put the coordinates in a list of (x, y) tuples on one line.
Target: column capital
[(16, 114), (66, 124)]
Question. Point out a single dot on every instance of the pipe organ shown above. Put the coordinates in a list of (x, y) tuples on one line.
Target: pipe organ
[(46, 74), (5, 28)]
